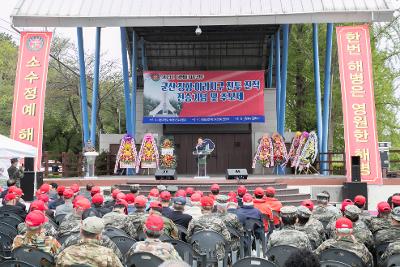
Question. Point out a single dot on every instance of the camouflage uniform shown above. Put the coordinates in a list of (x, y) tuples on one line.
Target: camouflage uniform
[(115, 219), (366, 218), (312, 234), (318, 226), (388, 235), (105, 242), (378, 224), (170, 228), (45, 243), (134, 223), (70, 221), (88, 252), (48, 229), (324, 215), (154, 246), (210, 221), (231, 220), (348, 243), (289, 236), (392, 249)]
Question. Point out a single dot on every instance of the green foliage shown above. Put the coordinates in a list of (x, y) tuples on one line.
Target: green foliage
[(8, 63)]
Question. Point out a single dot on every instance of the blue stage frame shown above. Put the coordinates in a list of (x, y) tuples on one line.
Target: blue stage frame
[(95, 94), (317, 86), (285, 55), (125, 74), (327, 95), (83, 89), (277, 75)]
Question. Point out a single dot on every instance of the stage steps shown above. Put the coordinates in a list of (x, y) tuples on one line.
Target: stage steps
[(288, 196)]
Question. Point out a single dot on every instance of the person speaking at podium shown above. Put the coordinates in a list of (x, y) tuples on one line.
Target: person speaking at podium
[(200, 159)]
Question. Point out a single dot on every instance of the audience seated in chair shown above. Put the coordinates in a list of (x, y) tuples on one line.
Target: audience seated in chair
[(153, 229), (88, 250)]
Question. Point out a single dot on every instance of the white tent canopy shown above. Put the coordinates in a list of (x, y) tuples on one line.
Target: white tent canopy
[(9, 149)]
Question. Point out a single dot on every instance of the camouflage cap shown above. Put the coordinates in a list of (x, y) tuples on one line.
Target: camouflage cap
[(161, 187), (93, 225), (222, 199), (352, 211), (396, 214), (304, 211), (288, 211), (172, 189), (322, 195)]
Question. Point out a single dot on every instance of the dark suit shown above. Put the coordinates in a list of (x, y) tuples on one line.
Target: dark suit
[(13, 209)]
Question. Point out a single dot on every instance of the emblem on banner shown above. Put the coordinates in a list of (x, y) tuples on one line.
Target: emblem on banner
[(35, 43)]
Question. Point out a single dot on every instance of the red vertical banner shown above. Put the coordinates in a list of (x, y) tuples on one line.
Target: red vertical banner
[(360, 133), (30, 89)]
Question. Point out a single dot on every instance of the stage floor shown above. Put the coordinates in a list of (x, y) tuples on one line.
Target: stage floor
[(188, 179)]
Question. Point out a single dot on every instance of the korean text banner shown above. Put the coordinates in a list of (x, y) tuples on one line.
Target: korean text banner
[(197, 97), (358, 103), (30, 89)]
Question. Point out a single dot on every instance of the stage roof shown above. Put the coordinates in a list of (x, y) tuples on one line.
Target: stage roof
[(162, 13)]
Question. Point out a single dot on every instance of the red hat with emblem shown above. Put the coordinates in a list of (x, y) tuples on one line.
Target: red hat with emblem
[(44, 188), (241, 190), (130, 198), (383, 207), (155, 205), (165, 195), (207, 202), (115, 192), (82, 204), (43, 197), (344, 223), (75, 188), (189, 191), (60, 190), (35, 218), (180, 193), (140, 201), (196, 197), (360, 200), (259, 191), (214, 187), (247, 200), (97, 199), (308, 204), (9, 197), (37, 205), (95, 190), (68, 193), (270, 190), (154, 193)]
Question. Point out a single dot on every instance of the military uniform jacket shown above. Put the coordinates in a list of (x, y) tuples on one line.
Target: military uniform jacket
[(348, 243), (70, 222), (392, 249), (105, 242), (134, 223), (387, 235), (115, 219), (289, 236), (154, 246), (312, 234), (88, 252), (45, 243), (48, 229), (360, 232), (378, 224)]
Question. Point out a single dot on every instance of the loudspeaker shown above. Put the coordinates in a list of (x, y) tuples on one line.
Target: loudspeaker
[(28, 182), (166, 174), (355, 169), (236, 174), (29, 164), (350, 190)]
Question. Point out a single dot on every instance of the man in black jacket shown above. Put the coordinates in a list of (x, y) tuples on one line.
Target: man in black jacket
[(11, 207), (177, 215), (15, 173)]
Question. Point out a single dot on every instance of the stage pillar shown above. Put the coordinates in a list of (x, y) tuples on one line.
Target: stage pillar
[(95, 87), (83, 90), (270, 61), (134, 82), (317, 87), (277, 74), (285, 55), (327, 96)]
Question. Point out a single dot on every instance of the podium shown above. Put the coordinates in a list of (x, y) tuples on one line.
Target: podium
[(201, 163)]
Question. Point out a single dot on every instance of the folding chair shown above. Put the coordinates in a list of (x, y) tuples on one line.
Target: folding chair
[(33, 256), (11, 219), (392, 261), (8, 229), (341, 255), (15, 263), (143, 259), (112, 231), (280, 254), (205, 243), (5, 244), (254, 262), (124, 243), (332, 263), (186, 251)]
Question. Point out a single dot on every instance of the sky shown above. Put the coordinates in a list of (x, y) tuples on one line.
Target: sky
[(110, 45)]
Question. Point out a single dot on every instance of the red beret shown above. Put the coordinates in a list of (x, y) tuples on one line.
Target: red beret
[(44, 188), (141, 201), (189, 191), (130, 198), (180, 193), (259, 191), (154, 223), (165, 195), (95, 190), (196, 197), (360, 200), (154, 192), (68, 193), (270, 190), (155, 204), (241, 190), (214, 187), (97, 199), (9, 196), (35, 218), (207, 202), (38, 205), (82, 204)]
